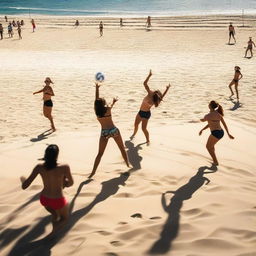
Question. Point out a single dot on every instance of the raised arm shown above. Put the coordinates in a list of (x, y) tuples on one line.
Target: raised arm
[(166, 90), (26, 182), (146, 81), (113, 102), (226, 128), (68, 179), (97, 94)]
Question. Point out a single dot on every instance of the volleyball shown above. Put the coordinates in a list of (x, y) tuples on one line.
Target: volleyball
[(99, 77)]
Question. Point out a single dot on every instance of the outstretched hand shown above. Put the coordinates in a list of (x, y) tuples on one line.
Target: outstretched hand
[(97, 84), (150, 72), (115, 99), (168, 86), (22, 179)]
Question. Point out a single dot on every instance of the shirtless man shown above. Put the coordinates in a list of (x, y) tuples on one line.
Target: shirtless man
[(249, 47), (152, 98), (55, 177), (231, 32), (47, 108), (214, 118), (237, 76)]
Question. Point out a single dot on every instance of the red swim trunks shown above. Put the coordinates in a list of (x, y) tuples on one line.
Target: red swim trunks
[(54, 203)]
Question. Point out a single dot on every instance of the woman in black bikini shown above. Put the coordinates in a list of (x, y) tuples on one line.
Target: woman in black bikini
[(152, 98), (237, 76), (47, 94), (108, 129), (214, 118)]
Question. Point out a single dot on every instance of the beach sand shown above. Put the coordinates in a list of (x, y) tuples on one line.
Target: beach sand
[(192, 54)]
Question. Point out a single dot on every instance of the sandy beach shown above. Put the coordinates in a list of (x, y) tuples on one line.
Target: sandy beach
[(163, 206)]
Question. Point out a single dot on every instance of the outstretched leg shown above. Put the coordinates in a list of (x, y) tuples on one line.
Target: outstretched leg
[(102, 146), (144, 128), (119, 141), (230, 88), (210, 147), (48, 114), (236, 88), (136, 125)]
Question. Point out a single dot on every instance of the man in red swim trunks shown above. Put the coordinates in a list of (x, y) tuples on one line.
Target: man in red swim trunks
[(55, 177)]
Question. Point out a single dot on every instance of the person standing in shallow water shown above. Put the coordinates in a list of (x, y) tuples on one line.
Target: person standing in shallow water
[(33, 25), (214, 118), (101, 28), (47, 107), (55, 178), (148, 22), (231, 32), (152, 98), (108, 129), (237, 76)]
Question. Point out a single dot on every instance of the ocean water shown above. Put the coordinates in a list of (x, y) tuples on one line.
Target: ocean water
[(126, 7)]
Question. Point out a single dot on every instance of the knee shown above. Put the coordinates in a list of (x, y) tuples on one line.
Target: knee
[(209, 147)]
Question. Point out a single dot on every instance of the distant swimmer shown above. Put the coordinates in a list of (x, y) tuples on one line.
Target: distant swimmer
[(231, 32), (47, 107), (101, 28), (108, 129), (55, 178), (153, 98), (249, 47), (214, 118), (237, 76)]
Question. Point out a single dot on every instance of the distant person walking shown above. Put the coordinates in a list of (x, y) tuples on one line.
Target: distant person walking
[(231, 32), (153, 98), (108, 129), (19, 32), (10, 31), (1, 31), (77, 23), (33, 25), (121, 22), (6, 19), (237, 76), (249, 47), (101, 28), (148, 22), (55, 178), (214, 118), (47, 107)]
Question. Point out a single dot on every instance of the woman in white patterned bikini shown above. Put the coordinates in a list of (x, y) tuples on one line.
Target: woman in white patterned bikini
[(108, 129)]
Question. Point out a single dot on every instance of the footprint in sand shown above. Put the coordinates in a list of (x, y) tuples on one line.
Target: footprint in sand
[(116, 243), (104, 233), (155, 218), (136, 215)]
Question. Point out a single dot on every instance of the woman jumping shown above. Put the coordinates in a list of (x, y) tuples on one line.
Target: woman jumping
[(214, 118), (152, 98), (47, 108), (108, 129)]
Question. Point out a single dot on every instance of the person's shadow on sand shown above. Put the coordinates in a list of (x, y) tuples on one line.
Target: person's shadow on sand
[(42, 247), (236, 105), (171, 226), (133, 155), (44, 135)]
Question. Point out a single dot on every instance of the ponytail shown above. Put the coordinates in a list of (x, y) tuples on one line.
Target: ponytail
[(220, 110), (215, 105)]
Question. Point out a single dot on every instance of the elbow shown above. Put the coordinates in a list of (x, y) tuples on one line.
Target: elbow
[(23, 186)]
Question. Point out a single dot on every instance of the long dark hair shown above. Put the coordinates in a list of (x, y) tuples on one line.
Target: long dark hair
[(50, 156), (100, 107), (157, 98), (213, 104)]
